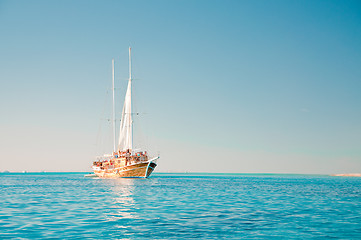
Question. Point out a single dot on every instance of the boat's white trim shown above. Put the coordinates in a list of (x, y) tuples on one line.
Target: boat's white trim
[(146, 171), (153, 159), (148, 161)]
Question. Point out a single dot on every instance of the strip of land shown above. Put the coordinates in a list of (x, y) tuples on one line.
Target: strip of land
[(347, 175)]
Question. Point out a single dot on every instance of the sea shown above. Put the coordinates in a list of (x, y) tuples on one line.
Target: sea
[(179, 206)]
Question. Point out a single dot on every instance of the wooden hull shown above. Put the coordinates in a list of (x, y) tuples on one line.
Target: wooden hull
[(139, 170)]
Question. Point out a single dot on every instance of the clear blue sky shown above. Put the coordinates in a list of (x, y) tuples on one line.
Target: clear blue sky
[(227, 86)]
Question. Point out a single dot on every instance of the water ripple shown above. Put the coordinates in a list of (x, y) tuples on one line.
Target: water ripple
[(179, 206)]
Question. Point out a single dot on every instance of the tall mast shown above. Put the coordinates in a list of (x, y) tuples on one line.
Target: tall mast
[(130, 64), (130, 81), (113, 115)]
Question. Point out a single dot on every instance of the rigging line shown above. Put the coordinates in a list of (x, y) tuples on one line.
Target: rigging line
[(100, 118), (99, 141)]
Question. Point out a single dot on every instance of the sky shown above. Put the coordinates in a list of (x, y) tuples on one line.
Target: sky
[(220, 86)]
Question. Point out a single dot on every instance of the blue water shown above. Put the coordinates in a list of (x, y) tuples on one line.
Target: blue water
[(179, 206)]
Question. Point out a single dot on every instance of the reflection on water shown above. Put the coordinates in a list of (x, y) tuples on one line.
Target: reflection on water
[(123, 202)]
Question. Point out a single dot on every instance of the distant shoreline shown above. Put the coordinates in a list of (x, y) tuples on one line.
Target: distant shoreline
[(347, 175)]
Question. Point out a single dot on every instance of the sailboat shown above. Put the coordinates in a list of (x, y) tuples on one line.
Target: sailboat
[(124, 161)]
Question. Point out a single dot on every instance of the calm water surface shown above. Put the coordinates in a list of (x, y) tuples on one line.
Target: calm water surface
[(176, 206)]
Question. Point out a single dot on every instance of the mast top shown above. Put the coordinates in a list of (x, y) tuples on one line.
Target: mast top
[(130, 64)]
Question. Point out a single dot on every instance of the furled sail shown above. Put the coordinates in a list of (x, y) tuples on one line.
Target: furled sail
[(125, 136)]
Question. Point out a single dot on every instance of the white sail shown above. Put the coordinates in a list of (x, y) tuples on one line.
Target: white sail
[(125, 136), (126, 124)]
